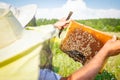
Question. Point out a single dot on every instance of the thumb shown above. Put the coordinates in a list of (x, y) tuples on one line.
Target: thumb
[(114, 38), (68, 21)]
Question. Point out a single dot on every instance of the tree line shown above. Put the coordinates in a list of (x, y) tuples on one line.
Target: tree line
[(104, 24)]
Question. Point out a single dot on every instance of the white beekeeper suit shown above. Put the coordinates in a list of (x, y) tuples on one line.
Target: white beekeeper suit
[(20, 48)]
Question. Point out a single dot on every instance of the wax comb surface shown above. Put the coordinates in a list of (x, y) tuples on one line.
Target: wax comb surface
[(82, 42)]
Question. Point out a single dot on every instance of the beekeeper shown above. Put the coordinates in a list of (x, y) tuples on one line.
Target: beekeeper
[(20, 48)]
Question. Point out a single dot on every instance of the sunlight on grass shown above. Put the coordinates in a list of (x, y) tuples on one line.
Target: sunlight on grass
[(113, 66), (64, 65)]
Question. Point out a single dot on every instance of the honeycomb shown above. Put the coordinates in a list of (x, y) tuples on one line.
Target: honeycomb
[(82, 42)]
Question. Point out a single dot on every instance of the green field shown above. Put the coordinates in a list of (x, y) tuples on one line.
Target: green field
[(64, 65)]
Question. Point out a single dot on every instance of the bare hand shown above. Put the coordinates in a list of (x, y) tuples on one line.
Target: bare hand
[(112, 46), (61, 23)]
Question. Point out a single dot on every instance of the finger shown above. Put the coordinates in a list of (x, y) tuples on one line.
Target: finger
[(114, 38), (65, 26), (68, 21), (63, 19)]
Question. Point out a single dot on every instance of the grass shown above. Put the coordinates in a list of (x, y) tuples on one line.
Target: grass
[(113, 66), (64, 65)]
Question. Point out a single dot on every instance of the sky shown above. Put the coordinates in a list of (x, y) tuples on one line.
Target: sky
[(82, 9)]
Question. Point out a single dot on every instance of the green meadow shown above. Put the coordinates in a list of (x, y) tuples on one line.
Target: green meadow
[(64, 65)]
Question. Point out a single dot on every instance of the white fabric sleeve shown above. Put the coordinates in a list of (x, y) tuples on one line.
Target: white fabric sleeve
[(54, 31), (49, 30)]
